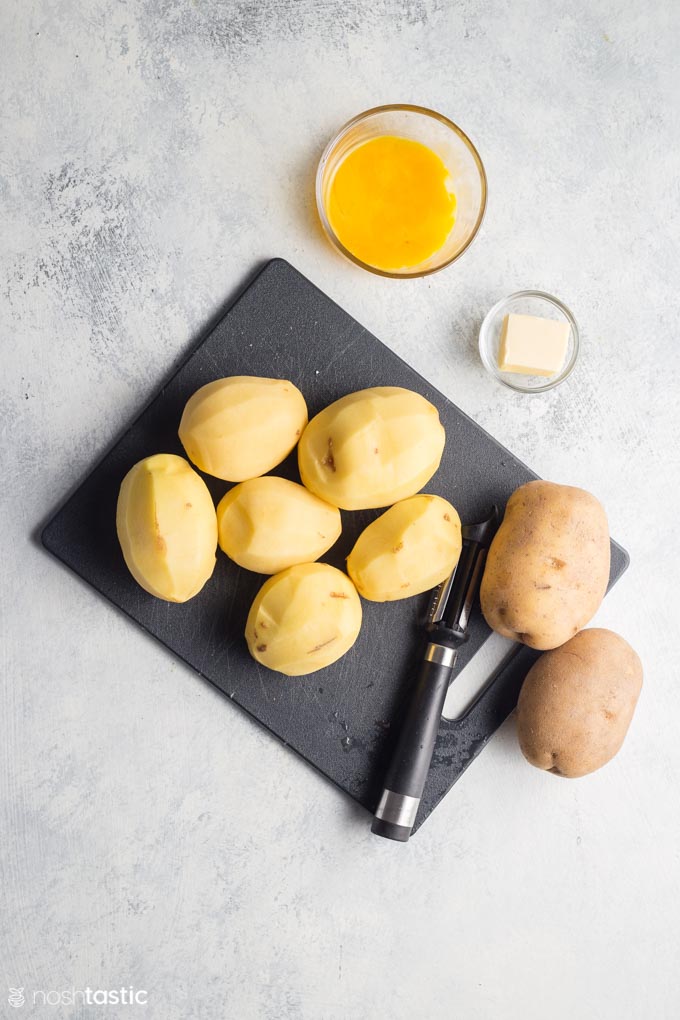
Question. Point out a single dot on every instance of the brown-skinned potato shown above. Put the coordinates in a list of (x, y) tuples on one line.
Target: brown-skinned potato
[(548, 566), (577, 702)]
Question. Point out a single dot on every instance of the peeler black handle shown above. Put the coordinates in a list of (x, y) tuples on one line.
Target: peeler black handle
[(405, 779)]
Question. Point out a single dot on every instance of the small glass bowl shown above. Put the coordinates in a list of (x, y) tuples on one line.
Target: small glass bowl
[(452, 146), (526, 302)]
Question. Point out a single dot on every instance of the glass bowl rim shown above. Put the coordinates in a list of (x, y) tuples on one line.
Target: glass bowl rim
[(493, 369), (400, 108)]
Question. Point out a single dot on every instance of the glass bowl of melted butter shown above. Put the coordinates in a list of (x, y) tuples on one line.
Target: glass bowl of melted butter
[(401, 191)]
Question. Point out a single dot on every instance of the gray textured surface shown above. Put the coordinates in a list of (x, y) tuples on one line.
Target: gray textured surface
[(151, 154)]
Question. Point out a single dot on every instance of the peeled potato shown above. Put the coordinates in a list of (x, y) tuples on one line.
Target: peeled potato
[(411, 548), (242, 426), (268, 524), (303, 619), (167, 527), (371, 448)]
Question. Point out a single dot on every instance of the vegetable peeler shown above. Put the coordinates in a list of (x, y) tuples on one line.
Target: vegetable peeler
[(446, 626)]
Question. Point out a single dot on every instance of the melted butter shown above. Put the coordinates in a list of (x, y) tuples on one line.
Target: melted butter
[(390, 203)]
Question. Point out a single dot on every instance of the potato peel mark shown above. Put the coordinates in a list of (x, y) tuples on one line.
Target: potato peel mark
[(323, 644), (329, 461), (339, 595)]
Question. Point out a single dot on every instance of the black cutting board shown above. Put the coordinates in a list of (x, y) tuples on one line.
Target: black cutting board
[(342, 719)]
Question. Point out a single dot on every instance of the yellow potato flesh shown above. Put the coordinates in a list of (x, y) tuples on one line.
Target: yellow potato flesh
[(242, 426), (303, 619), (268, 524), (371, 448), (167, 527), (407, 550)]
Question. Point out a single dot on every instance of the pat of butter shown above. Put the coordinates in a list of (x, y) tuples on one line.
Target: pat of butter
[(533, 346)]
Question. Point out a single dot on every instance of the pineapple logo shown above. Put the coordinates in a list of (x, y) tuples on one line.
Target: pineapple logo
[(16, 997)]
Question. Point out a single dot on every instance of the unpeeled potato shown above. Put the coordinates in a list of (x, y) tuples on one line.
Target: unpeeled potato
[(371, 448), (303, 619), (167, 527), (548, 565), (409, 549), (268, 524), (577, 702), (242, 426)]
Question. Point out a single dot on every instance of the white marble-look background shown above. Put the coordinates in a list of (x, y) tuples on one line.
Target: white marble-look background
[(151, 153)]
